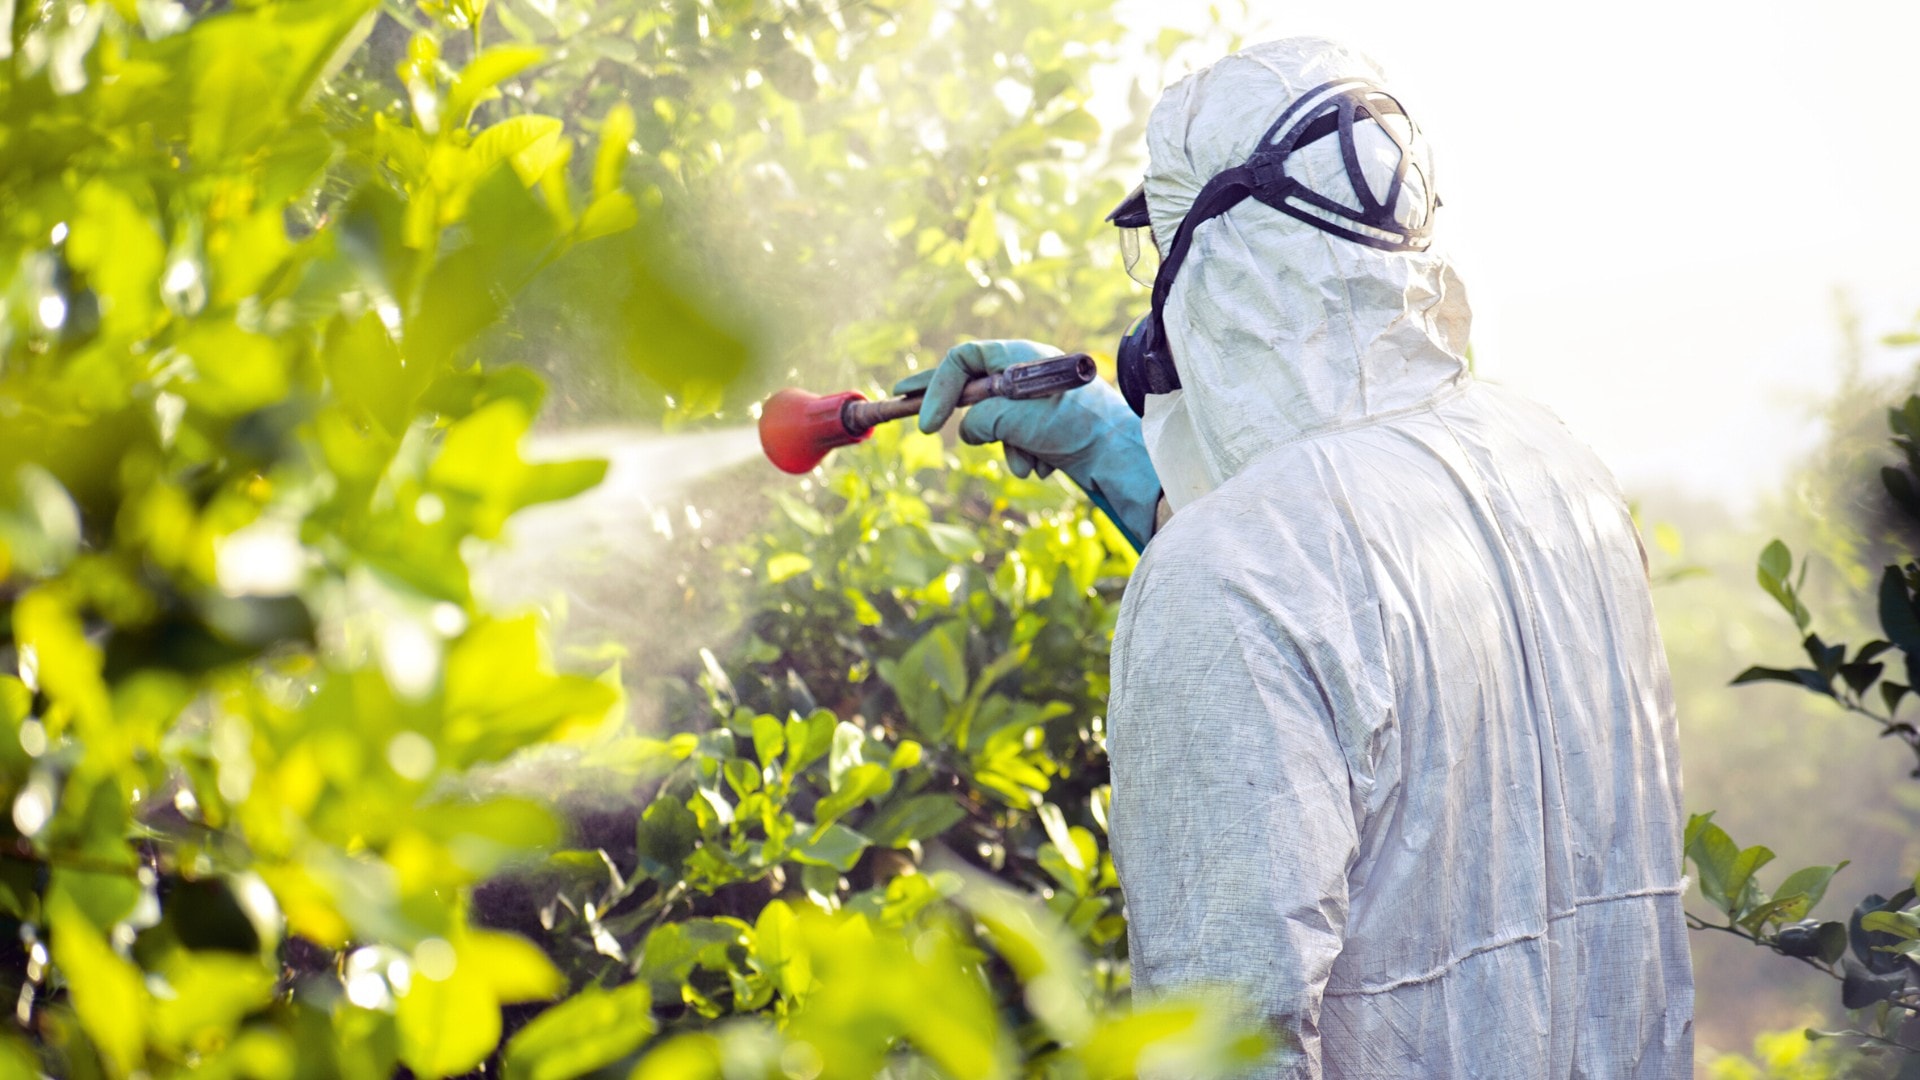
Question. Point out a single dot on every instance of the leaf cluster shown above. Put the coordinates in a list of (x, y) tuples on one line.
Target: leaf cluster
[(1873, 954), (246, 453)]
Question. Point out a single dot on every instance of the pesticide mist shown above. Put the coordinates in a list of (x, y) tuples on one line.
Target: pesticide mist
[(598, 564)]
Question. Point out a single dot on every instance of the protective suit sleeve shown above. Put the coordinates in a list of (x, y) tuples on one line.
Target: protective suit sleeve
[(1233, 823)]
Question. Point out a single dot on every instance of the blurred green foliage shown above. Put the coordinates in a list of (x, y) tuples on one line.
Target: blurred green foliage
[(266, 266), (245, 452), (875, 180), (1781, 1055), (1873, 953)]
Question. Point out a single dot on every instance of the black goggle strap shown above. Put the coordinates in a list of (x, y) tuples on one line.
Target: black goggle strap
[(1344, 102), (1221, 194), (1263, 177)]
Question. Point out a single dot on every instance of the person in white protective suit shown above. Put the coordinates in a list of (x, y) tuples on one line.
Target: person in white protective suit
[(1392, 738)]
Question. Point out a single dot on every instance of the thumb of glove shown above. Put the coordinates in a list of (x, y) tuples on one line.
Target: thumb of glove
[(913, 384)]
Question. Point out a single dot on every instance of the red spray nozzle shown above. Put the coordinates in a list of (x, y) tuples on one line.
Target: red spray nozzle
[(798, 429)]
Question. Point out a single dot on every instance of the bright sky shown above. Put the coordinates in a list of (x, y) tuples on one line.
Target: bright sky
[(1654, 203)]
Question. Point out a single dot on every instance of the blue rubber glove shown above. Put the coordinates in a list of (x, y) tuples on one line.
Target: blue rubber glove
[(1088, 433)]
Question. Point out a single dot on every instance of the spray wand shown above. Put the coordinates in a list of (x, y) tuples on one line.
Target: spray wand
[(798, 429)]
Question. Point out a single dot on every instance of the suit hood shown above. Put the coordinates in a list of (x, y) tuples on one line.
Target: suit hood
[(1280, 330)]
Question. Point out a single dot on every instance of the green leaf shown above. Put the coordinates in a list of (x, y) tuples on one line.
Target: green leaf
[(849, 750), (510, 233), (836, 846), (921, 817), (611, 213), (616, 131), (119, 247), (809, 520), (501, 692), (480, 453), (809, 740), (667, 834), (1900, 924), (779, 951), (1897, 617), (1776, 562), (476, 82), (515, 970), (588, 1031), (366, 374), (1715, 854), (233, 99), (931, 677), (673, 950), (484, 834), (1696, 823), (1741, 873), (768, 738), (233, 371), (858, 784), (1833, 941), (1864, 989), (531, 144), (1076, 126), (907, 755), (742, 776), (1063, 869), (1055, 824), (671, 339), (1891, 693), (1860, 676), (785, 565), (447, 1026), (1806, 887), (1180, 1035), (109, 994), (1805, 678), (210, 994)]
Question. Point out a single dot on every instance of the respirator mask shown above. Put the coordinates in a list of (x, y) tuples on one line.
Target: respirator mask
[(1145, 359)]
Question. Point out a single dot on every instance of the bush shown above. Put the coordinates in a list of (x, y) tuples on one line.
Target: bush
[(257, 424)]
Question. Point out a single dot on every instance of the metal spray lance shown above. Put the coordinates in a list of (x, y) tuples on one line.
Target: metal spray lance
[(798, 429)]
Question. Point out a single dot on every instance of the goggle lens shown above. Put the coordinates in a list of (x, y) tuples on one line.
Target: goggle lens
[(1140, 255)]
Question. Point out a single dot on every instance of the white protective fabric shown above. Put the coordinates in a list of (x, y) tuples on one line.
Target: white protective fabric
[(1392, 738)]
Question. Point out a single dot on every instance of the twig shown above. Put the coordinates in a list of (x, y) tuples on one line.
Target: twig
[(1697, 923)]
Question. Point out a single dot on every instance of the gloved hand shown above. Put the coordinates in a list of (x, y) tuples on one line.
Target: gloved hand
[(1088, 433)]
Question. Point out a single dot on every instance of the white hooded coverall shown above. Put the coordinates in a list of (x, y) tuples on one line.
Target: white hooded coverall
[(1392, 737)]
